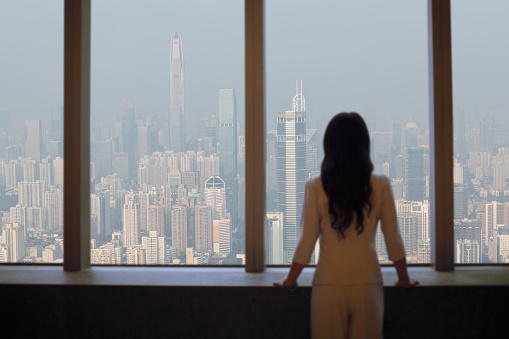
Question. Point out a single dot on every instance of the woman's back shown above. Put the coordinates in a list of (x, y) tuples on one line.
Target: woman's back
[(351, 259)]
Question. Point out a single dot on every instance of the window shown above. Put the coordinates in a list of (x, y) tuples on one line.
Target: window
[(346, 56), (481, 133), (77, 120), (31, 132), (167, 155)]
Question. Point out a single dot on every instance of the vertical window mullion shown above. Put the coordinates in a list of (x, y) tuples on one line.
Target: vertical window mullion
[(76, 134), (441, 135), (255, 132)]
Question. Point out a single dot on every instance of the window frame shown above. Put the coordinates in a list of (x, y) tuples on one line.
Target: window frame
[(77, 22)]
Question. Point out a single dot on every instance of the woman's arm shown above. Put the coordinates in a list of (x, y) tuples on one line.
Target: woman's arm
[(403, 278), (291, 280)]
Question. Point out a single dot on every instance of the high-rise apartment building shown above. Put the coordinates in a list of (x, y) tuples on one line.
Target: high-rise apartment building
[(222, 236), (227, 147), (176, 114), (131, 221), (203, 227), (179, 227), (291, 168), (13, 236), (154, 246)]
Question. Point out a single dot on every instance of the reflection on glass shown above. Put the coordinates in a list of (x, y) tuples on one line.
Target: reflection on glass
[(167, 154), (481, 132), (31, 132), (347, 56)]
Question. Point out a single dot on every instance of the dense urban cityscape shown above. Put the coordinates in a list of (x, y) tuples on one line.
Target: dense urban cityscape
[(161, 196)]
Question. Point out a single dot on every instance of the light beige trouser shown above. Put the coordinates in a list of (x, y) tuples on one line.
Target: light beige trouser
[(347, 311)]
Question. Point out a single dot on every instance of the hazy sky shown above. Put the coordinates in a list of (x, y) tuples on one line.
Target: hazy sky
[(347, 53)]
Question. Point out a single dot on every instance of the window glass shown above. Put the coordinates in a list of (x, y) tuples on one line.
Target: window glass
[(167, 133), (481, 131), (341, 56), (31, 131)]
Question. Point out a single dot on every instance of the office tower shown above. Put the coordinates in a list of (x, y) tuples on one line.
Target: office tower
[(227, 147), (381, 149), (154, 246), (215, 196), (120, 165), (57, 124), (369, 115), (179, 227), (467, 230), (33, 139), (312, 164), (415, 179), (460, 201), (176, 117), (486, 132), (131, 221), (460, 149), (203, 227), (291, 168), (382, 120), (500, 130), (467, 252), (13, 236), (222, 236), (458, 172), (125, 141), (396, 138), (271, 171), (274, 253)]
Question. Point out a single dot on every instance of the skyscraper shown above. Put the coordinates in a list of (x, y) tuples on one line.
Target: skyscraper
[(33, 143), (274, 238), (131, 221), (215, 196), (415, 174), (291, 168), (227, 143), (176, 116)]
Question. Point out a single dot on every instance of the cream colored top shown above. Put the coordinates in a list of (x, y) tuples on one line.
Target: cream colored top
[(351, 260)]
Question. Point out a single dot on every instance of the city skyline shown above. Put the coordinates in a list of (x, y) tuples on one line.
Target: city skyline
[(143, 183)]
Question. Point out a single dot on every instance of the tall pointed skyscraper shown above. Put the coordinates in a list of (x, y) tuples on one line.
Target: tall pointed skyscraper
[(176, 115), (227, 147), (291, 169)]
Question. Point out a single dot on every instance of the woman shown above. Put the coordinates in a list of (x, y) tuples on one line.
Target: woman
[(342, 207)]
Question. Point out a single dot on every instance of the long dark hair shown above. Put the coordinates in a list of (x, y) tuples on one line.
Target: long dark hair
[(346, 170)]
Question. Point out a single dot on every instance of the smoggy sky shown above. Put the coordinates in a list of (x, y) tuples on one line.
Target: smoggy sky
[(348, 53)]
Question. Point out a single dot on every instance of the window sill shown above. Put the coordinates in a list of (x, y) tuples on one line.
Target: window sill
[(224, 277)]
